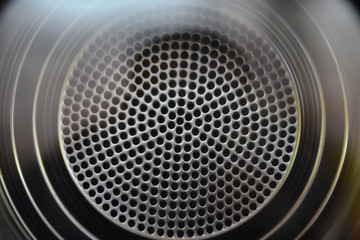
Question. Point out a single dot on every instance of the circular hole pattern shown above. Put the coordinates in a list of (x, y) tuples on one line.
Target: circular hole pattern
[(177, 130)]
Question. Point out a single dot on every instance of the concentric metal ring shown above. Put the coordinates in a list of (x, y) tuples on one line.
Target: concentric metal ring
[(46, 49), (179, 129)]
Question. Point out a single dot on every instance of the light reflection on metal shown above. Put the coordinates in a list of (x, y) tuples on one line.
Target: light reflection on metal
[(41, 196)]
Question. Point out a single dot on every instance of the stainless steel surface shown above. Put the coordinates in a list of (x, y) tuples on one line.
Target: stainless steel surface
[(179, 123), (180, 119)]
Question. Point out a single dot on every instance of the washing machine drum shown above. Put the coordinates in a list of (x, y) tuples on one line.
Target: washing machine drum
[(171, 120)]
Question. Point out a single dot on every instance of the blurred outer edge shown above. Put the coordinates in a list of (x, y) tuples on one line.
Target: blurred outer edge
[(12, 50), (339, 22), (16, 230), (11, 225), (356, 4)]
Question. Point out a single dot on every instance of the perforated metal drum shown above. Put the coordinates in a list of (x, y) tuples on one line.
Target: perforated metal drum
[(179, 123), (176, 119)]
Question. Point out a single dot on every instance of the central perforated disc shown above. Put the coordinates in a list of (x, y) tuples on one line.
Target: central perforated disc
[(179, 125)]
